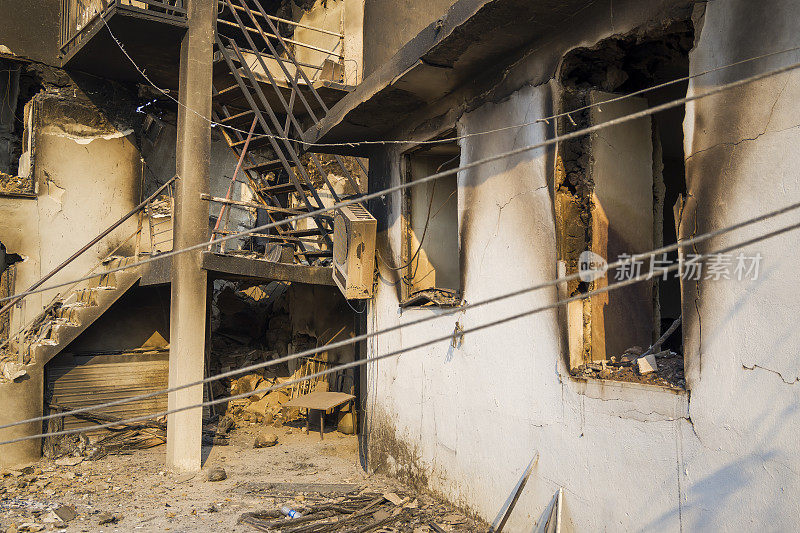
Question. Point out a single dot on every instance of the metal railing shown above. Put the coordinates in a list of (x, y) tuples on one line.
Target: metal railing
[(160, 204), (332, 55), (78, 15)]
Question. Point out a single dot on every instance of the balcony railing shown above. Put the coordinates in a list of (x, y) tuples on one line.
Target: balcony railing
[(79, 15)]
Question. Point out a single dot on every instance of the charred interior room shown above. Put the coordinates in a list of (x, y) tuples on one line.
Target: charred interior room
[(621, 192), (431, 260)]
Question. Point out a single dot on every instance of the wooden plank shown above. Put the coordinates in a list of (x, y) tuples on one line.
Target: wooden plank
[(321, 400)]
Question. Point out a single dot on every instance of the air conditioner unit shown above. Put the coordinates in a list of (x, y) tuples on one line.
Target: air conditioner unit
[(354, 230)]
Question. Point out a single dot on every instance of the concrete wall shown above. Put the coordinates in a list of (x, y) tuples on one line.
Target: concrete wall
[(389, 24), (466, 421), (88, 174), (340, 16), (159, 157)]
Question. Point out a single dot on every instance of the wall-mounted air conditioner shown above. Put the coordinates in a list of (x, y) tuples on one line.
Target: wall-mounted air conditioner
[(354, 231)]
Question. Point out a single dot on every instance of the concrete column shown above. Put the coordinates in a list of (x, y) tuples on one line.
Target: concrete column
[(22, 400), (188, 304)]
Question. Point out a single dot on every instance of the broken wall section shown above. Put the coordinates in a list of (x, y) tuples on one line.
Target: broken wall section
[(80, 151), (611, 189)]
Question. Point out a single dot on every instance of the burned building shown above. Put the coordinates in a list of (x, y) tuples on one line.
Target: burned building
[(102, 175), (514, 338)]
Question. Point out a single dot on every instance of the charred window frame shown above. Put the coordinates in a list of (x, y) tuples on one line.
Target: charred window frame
[(18, 85), (430, 272), (620, 190)]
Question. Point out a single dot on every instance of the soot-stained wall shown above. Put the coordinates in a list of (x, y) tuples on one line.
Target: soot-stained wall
[(466, 420), (389, 24)]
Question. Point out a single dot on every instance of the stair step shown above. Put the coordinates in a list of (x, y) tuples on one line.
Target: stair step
[(74, 305), (87, 297), (255, 143), (242, 120), (59, 321), (44, 342), (66, 313), (284, 188), (62, 321), (266, 166), (310, 232)]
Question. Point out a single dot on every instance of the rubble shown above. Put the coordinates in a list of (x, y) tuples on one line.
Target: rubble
[(647, 364), (664, 368), (108, 518), (12, 371), (217, 474), (265, 440), (16, 185), (361, 511)]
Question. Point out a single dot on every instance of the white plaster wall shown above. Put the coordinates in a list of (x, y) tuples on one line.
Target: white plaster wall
[(629, 457), (88, 175)]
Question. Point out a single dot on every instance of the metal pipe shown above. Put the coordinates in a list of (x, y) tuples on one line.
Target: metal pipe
[(292, 41), (252, 205), (300, 25), (88, 245)]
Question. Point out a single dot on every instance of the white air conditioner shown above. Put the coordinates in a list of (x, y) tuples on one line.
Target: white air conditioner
[(354, 230)]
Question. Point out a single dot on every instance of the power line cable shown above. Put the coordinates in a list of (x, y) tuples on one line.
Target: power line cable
[(361, 362), (426, 179), (446, 139), (691, 242)]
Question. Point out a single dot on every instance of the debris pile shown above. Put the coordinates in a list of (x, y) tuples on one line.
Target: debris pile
[(16, 185), (664, 368), (21, 492), (261, 324), (267, 408), (361, 512), (121, 437)]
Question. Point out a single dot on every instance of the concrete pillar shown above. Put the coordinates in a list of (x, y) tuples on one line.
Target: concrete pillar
[(188, 304), (21, 400)]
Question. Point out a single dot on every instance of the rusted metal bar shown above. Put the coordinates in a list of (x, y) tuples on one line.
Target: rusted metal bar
[(254, 52), (166, 6), (300, 25), (271, 237), (252, 205), (233, 180), (88, 245)]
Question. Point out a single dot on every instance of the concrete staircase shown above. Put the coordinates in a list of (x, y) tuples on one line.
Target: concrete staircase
[(70, 315)]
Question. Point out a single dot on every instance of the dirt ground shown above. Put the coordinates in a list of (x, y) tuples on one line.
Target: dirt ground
[(135, 492)]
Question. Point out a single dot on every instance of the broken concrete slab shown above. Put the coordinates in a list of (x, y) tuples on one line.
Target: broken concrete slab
[(647, 364)]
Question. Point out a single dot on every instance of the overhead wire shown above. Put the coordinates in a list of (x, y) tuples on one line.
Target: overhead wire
[(394, 353), (444, 139), (436, 176), (419, 181), (691, 242)]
